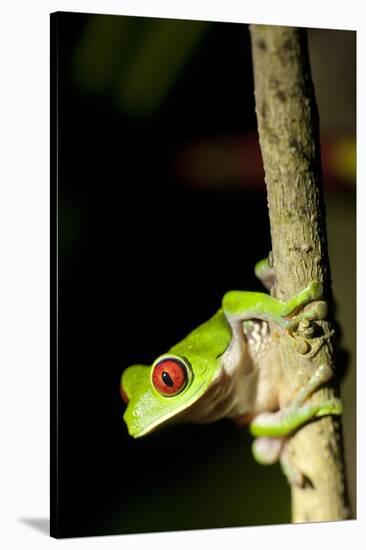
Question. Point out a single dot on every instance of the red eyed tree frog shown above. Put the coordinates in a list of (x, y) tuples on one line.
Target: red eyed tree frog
[(228, 367)]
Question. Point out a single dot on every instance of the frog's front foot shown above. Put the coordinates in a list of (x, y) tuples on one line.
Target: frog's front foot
[(308, 338), (304, 332), (316, 311)]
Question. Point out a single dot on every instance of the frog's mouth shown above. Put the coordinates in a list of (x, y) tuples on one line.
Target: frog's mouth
[(135, 424)]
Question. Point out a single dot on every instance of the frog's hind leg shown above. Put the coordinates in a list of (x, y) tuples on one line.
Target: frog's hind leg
[(285, 421), (272, 429)]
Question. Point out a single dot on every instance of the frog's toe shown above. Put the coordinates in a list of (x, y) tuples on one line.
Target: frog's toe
[(293, 474), (315, 290), (316, 312), (267, 450), (332, 406)]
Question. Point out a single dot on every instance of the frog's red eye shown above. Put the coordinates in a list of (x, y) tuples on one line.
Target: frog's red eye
[(170, 376)]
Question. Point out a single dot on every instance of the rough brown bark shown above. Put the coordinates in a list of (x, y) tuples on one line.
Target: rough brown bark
[(288, 132)]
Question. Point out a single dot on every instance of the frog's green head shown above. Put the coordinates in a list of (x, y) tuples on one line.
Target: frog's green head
[(176, 380)]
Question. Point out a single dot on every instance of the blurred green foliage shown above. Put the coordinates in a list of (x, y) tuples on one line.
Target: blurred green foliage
[(136, 60)]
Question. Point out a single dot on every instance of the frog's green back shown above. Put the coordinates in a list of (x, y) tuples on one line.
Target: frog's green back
[(205, 343), (201, 348)]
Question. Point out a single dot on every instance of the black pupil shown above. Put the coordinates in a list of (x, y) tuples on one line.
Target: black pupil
[(167, 380)]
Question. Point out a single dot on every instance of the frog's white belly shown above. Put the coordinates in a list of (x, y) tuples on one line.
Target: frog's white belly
[(246, 382)]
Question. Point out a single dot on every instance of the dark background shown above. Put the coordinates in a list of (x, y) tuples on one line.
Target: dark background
[(161, 209)]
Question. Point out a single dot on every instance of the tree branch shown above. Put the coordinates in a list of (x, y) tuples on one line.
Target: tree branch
[(289, 139)]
